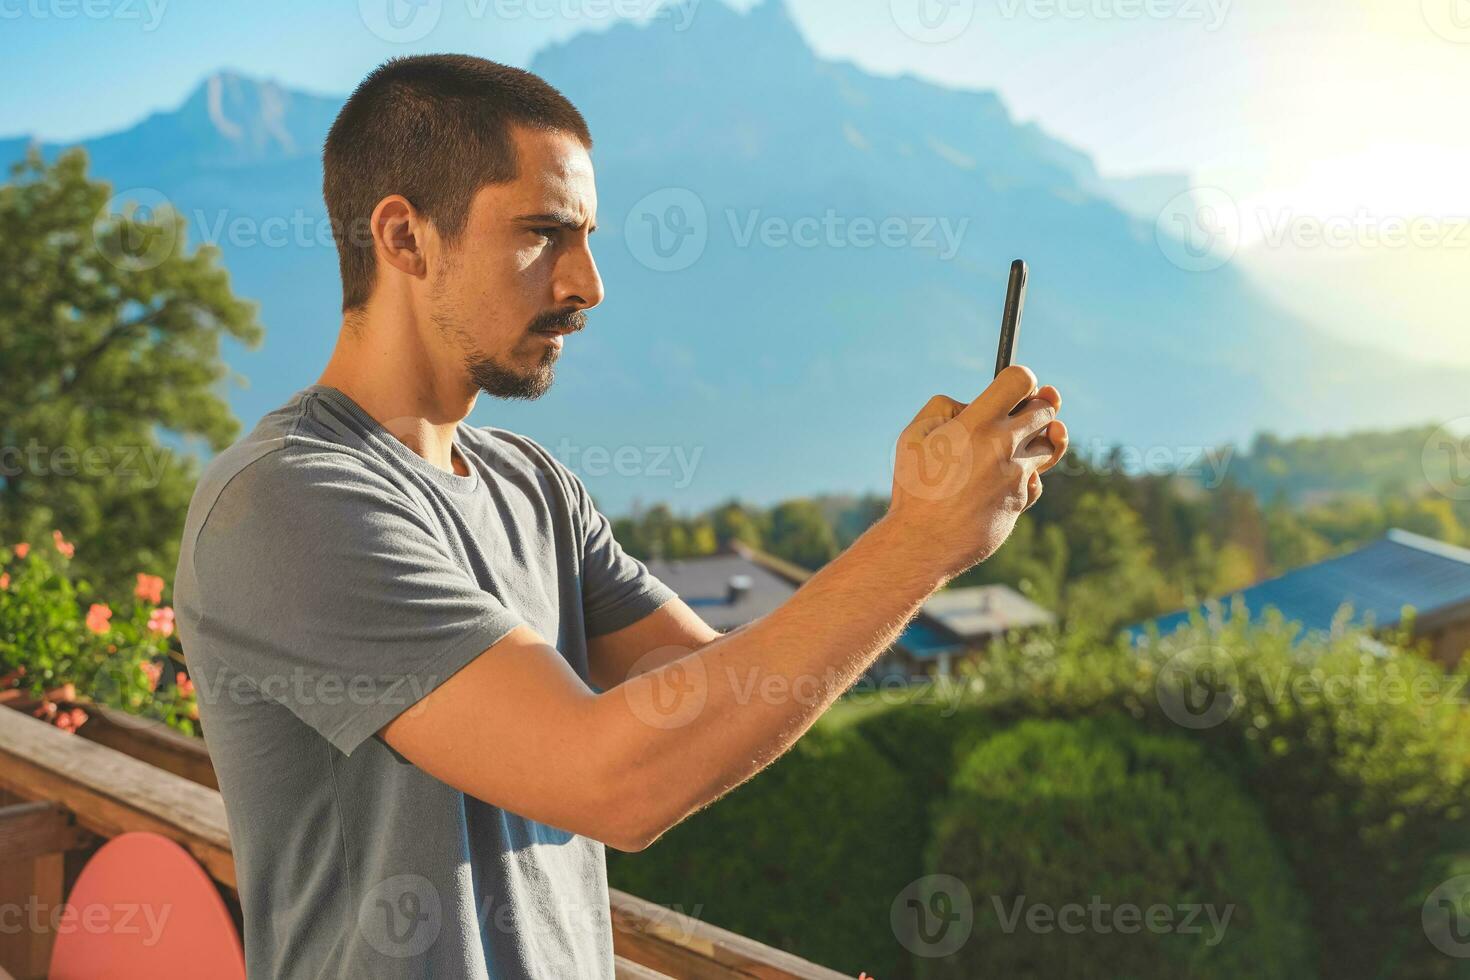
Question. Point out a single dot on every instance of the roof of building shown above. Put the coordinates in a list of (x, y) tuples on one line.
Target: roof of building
[(1378, 580), (949, 620), (986, 610), (704, 584)]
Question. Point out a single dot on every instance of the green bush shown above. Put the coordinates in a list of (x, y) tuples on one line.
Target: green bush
[(1358, 752), (63, 650), (1094, 848), (807, 857)]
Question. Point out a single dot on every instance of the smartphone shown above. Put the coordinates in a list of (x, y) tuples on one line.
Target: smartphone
[(1010, 318)]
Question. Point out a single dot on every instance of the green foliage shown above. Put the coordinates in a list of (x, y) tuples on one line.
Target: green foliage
[(109, 338), (800, 533), (63, 649), (807, 856), (1358, 753), (1092, 826)]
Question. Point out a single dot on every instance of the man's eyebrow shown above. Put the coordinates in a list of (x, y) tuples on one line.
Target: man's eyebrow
[(564, 219)]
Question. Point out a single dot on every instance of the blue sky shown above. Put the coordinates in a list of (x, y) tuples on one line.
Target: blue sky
[(1341, 110)]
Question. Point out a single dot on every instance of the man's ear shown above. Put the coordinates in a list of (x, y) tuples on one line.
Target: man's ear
[(398, 233)]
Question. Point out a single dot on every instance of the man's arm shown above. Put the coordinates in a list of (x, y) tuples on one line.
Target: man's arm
[(518, 729), (614, 657)]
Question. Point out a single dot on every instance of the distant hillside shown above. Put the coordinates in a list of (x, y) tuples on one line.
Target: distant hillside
[(785, 368), (1304, 470)]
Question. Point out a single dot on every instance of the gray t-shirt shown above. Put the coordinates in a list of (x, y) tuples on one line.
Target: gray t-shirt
[(329, 577)]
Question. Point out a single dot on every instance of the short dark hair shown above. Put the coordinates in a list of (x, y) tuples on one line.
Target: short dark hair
[(436, 129)]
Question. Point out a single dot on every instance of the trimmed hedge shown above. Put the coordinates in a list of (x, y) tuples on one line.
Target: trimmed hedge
[(1357, 751), (807, 856), (1094, 848)]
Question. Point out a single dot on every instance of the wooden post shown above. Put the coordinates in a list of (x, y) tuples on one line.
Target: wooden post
[(34, 839)]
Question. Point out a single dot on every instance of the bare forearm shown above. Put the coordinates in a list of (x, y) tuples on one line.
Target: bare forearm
[(694, 728)]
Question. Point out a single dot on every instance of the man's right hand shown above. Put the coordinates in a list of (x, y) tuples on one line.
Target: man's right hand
[(964, 473)]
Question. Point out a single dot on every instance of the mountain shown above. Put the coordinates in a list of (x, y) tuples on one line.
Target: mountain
[(762, 335)]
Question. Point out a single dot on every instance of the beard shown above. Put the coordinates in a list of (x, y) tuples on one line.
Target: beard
[(496, 376)]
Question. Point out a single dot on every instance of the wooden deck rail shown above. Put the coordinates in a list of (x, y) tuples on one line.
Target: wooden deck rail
[(97, 785)]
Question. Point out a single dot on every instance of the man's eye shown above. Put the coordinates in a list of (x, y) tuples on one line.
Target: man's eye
[(546, 233)]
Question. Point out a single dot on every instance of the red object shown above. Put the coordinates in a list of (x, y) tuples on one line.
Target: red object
[(143, 908)]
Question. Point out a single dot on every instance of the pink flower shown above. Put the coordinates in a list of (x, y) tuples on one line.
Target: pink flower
[(22, 549), (152, 672), (66, 548), (150, 588), (70, 721), (4, 580), (97, 618), (161, 621), (185, 686)]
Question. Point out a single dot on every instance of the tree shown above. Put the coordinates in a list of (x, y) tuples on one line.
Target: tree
[(800, 534), (109, 357)]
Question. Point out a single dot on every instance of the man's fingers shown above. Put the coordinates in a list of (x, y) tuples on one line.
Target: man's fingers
[(936, 411), (1004, 393), (1031, 420), (1052, 444), (1033, 490)]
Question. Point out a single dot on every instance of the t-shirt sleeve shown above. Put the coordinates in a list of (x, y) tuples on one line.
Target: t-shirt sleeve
[(617, 589), (334, 592)]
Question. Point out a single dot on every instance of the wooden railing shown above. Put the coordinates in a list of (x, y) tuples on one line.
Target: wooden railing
[(122, 774)]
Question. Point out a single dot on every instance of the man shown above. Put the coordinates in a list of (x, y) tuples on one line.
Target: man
[(432, 683)]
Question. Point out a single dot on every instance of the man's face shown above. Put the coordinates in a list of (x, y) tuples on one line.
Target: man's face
[(521, 274)]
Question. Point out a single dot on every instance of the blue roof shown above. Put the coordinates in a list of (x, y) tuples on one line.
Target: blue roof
[(1379, 580)]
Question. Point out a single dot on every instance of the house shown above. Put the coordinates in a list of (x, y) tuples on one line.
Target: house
[(741, 584), (1380, 581)]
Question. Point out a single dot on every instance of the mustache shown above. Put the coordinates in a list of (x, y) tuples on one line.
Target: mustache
[(567, 320)]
